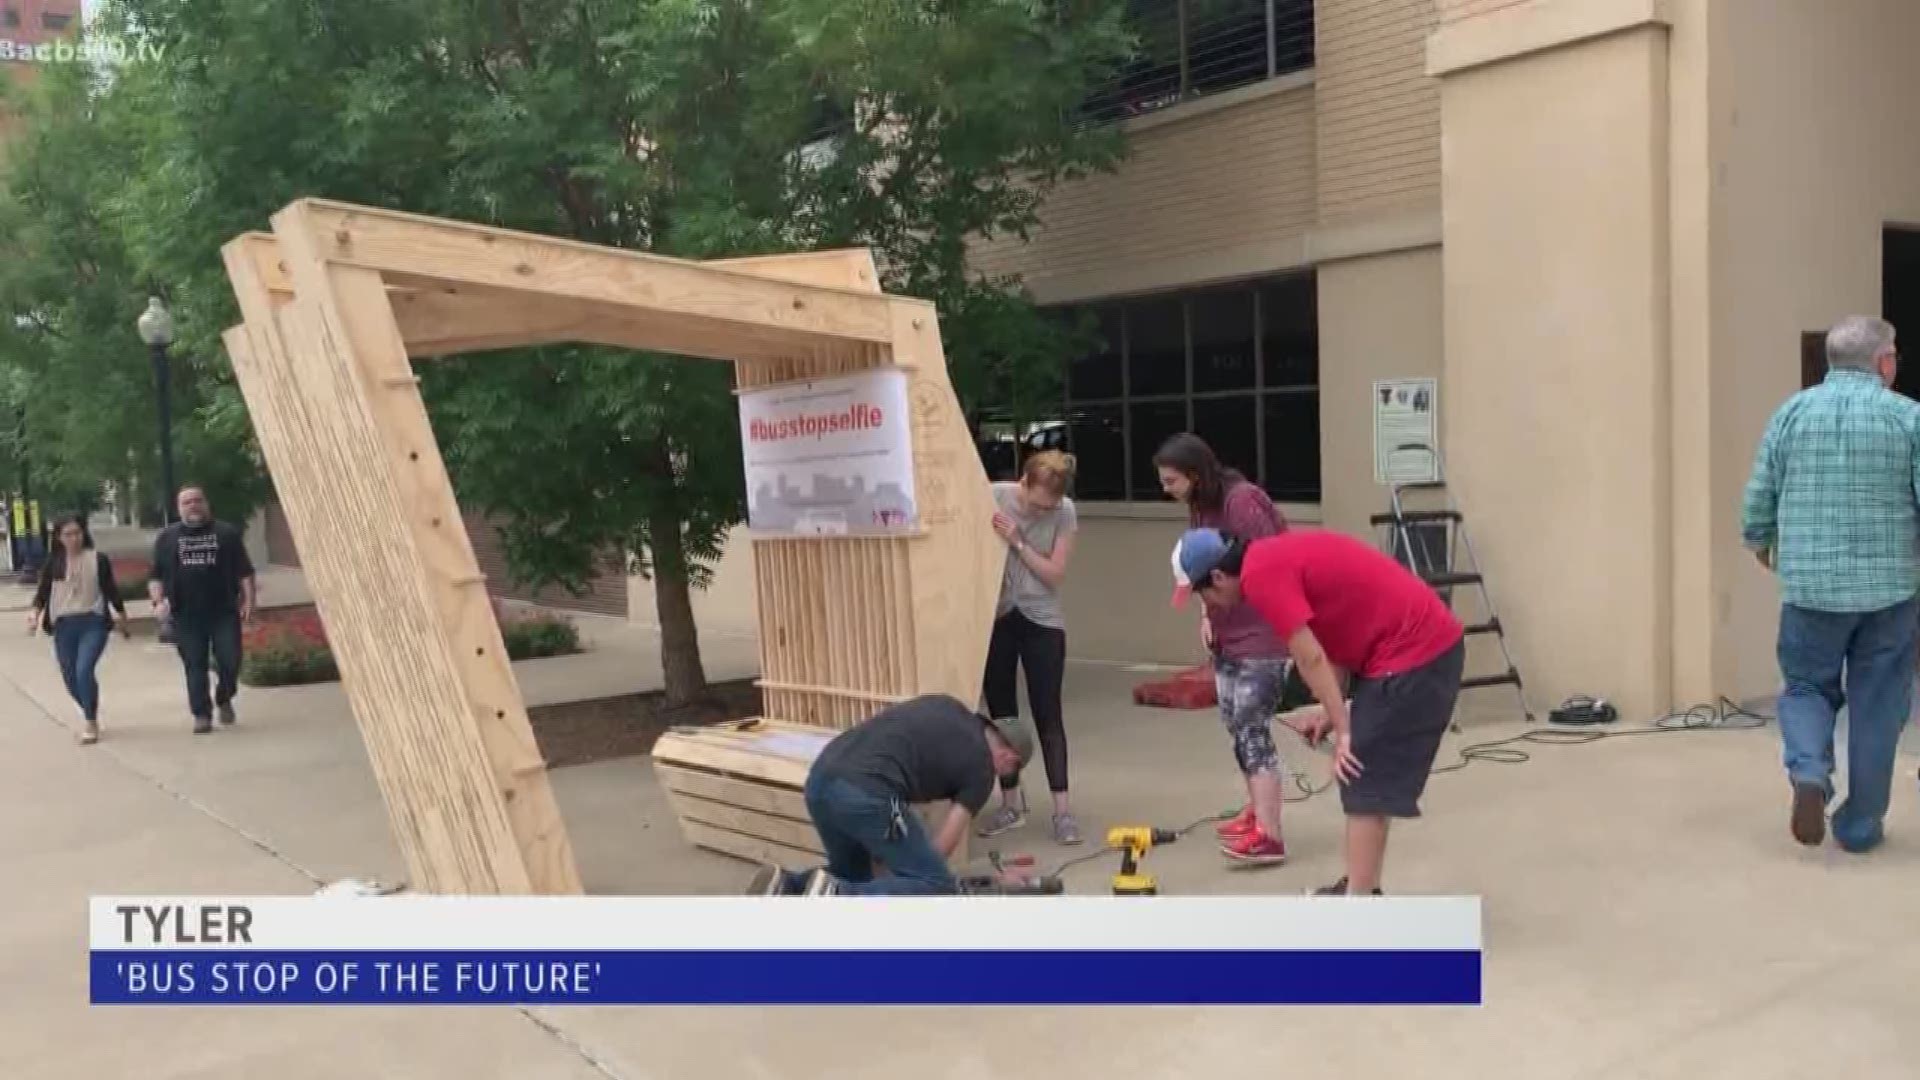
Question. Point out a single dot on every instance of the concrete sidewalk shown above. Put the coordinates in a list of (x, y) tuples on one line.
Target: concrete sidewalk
[(1647, 916)]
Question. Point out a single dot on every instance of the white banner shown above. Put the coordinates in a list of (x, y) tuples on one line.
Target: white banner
[(830, 456), (1230, 923)]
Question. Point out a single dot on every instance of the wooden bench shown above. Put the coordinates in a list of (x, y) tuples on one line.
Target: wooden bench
[(737, 789)]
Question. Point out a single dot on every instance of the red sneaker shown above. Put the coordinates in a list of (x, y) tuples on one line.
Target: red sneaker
[(1239, 825), (1255, 848)]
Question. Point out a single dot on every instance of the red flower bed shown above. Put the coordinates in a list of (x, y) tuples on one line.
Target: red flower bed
[(130, 573), (288, 646)]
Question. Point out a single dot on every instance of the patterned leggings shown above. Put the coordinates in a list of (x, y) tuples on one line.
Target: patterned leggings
[(1249, 693)]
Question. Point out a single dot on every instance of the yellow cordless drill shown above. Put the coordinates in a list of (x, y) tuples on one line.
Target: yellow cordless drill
[(1134, 841)]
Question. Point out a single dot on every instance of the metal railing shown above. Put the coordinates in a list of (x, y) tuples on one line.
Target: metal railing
[(1192, 48)]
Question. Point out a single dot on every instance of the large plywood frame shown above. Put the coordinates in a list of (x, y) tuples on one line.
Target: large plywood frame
[(336, 303)]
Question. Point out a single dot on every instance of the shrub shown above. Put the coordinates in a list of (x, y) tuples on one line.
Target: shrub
[(290, 649), (540, 634)]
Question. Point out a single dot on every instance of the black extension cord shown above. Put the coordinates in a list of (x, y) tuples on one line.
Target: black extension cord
[(1722, 715)]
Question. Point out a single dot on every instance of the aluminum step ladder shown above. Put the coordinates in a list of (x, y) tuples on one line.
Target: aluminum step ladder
[(1430, 539)]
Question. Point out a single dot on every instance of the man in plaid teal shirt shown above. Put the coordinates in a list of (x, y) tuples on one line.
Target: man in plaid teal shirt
[(1833, 507)]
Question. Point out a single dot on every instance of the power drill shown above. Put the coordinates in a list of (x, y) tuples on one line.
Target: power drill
[(1134, 841)]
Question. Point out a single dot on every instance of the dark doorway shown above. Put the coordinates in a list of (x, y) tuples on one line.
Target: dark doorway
[(1900, 300)]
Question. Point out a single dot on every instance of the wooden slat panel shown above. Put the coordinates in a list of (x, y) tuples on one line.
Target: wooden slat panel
[(742, 846), (780, 830), (764, 798)]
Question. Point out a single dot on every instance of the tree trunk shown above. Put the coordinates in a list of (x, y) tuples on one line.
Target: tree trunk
[(680, 663)]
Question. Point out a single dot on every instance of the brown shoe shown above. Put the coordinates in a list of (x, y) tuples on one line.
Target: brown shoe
[(1809, 813)]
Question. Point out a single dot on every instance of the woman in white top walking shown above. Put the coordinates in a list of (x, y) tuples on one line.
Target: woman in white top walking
[(1037, 521), (77, 602)]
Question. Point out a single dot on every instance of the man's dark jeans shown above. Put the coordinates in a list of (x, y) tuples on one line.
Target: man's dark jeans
[(1873, 652), (196, 634), (858, 827)]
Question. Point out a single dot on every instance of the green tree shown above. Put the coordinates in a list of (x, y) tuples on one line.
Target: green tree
[(694, 128), (70, 292)]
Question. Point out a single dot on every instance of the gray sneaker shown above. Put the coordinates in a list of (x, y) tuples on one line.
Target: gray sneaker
[(202, 725), (1005, 819), (226, 714), (1065, 829)]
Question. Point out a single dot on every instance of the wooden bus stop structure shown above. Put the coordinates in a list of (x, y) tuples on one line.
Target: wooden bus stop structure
[(338, 300)]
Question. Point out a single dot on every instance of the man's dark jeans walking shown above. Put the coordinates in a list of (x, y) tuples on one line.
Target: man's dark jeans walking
[(197, 635), (1866, 661)]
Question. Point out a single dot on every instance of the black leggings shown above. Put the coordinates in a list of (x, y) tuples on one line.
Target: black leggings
[(1020, 642)]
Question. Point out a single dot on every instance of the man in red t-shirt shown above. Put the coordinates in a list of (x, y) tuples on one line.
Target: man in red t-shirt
[(1339, 603)]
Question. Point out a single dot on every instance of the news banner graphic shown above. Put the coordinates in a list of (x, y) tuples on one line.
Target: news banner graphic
[(1093, 950)]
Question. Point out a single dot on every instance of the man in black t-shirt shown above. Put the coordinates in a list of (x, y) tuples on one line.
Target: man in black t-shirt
[(861, 790), (203, 578)]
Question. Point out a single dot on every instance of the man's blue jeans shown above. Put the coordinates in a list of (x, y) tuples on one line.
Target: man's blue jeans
[(858, 827), (1874, 653)]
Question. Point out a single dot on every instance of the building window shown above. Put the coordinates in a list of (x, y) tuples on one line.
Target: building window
[(1191, 48), (1237, 365), (54, 20), (9, 17)]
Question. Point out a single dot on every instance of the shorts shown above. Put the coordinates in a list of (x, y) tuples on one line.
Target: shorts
[(1249, 693), (1398, 722)]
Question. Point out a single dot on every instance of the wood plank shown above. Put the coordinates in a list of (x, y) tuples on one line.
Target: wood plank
[(716, 300), (780, 830), (778, 800), (847, 268), (685, 750), (751, 848), (953, 576)]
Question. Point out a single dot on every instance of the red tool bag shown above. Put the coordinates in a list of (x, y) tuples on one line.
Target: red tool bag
[(1190, 689)]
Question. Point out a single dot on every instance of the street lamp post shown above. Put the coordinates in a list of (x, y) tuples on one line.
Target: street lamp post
[(156, 329)]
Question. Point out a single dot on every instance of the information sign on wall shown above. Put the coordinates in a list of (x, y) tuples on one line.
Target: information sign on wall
[(1405, 414)]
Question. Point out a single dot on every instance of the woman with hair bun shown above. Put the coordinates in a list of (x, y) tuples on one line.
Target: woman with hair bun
[(1037, 520)]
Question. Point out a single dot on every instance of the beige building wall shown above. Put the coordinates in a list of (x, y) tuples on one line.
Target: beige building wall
[(1216, 188), (1556, 380), (1377, 115), (1822, 150), (1380, 318)]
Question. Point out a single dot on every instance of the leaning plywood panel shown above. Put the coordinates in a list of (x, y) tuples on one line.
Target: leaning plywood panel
[(955, 568), (471, 814)]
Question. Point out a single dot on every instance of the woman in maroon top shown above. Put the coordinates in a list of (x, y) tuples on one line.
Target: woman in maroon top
[(1250, 663)]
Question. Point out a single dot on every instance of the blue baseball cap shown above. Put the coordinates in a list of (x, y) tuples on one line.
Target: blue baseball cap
[(1194, 558)]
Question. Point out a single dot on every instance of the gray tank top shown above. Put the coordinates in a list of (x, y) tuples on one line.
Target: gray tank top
[(1020, 587)]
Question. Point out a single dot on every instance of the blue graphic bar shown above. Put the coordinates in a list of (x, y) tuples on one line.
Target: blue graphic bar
[(783, 977)]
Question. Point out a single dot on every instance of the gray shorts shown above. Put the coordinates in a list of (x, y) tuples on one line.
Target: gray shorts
[(1249, 693), (1398, 723)]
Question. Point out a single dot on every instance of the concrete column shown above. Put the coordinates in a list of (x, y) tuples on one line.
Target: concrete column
[(1558, 387)]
